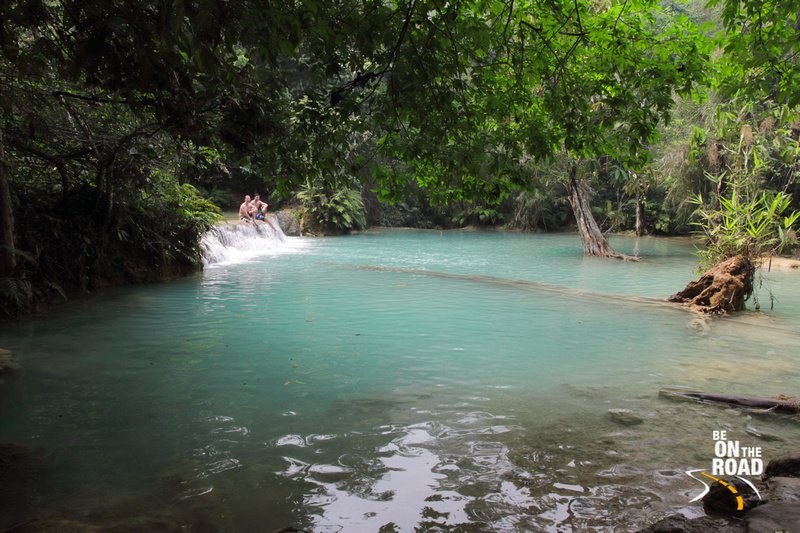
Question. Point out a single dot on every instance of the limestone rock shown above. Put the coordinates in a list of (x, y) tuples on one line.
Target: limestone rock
[(288, 222), (774, 516), (624, 417), (785, 489), (786, 466)]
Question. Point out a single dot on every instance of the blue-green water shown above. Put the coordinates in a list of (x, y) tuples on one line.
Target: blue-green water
[(423, 379)]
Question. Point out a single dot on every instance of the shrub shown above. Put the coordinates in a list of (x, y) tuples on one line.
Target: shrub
[(751, 224), (479, 215), (333, 211)]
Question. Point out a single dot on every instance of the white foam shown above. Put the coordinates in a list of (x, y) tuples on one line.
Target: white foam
[(239, 242)]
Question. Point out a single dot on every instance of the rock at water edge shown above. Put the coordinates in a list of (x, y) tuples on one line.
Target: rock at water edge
[(288, 222), (680, 524), (785, 466), (785, 489), (774, 516), (624, 417)]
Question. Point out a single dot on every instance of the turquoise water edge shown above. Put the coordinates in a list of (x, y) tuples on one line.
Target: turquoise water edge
[(396, 378)]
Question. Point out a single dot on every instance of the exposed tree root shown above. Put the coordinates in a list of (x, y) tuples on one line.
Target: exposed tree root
[(721, 289)]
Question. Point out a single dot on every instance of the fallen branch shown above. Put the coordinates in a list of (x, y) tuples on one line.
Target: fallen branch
[(780, 404)]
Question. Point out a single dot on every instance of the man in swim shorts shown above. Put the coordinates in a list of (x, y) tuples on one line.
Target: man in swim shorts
[(245, 210), (260, 208)]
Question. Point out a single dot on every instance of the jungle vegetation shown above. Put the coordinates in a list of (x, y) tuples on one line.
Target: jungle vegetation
[(123, 121)]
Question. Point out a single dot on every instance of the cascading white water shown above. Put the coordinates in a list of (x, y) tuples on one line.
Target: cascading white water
[(239, 241)]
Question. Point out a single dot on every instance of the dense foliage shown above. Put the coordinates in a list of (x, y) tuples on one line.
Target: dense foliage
[(746, 223), (416, 112), (332, 211)]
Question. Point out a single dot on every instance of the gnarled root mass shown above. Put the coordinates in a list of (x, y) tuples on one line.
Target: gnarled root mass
[(721, 289)]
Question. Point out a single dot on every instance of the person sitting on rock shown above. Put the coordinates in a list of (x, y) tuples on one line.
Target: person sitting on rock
[(259, 208), (246, 210)]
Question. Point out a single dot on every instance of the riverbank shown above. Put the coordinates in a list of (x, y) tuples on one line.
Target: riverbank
[(781, 264), (74, 247)]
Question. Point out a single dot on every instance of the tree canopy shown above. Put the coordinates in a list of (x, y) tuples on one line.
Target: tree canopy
[(110, 107)]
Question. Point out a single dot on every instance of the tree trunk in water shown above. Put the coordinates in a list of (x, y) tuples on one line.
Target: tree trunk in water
[(594, 242), (722, 289), (778, 404), (7, 259), (639, 216)]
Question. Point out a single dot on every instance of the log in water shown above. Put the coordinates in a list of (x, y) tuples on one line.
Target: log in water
[(785, 404)]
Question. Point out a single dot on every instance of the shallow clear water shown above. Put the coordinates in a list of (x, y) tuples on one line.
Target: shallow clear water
[(416, 378)]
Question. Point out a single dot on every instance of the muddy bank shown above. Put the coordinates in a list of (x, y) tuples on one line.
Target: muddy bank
[(780, 264)]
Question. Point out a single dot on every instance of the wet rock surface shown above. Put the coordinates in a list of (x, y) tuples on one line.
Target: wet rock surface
[(624, 417), (774, 516), (785, 488), (722, 501), (680, 524), (777, 510), (784, 466)]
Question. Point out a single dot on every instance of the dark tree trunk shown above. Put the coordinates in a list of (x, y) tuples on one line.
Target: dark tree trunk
[(7, 258), (594, 242), (639, 216), (722, 289)]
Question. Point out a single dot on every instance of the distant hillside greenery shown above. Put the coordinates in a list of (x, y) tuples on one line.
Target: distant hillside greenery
[(126, 124)]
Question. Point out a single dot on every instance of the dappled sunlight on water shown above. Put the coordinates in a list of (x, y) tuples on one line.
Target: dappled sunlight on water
[(419, 379)]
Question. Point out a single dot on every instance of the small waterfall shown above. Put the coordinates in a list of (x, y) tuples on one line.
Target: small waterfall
[(238, 241)]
